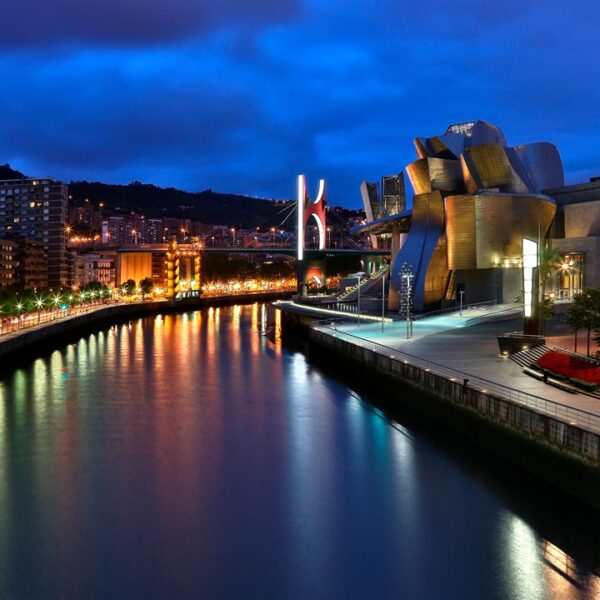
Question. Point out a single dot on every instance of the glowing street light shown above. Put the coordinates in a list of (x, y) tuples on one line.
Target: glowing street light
[(39, 303), (358, 276)]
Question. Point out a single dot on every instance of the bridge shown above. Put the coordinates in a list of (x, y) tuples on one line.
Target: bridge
[(183, 264)]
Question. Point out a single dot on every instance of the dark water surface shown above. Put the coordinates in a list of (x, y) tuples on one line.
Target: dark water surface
[(190, 457)]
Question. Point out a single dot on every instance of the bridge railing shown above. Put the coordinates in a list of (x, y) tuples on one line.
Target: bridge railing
[(574, 416)]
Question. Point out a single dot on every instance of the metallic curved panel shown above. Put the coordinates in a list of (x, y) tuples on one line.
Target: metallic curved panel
[(421, 147), (418, 174), (435, 174), (483, 132), (485, 229), (543, 165), (370, 200), (439, 144), (446, 175), (419, 250), (488, 166)]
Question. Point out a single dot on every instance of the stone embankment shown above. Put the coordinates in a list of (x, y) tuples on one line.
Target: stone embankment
[(563, 450)]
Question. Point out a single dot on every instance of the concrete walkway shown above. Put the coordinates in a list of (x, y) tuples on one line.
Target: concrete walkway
[(460, 344)]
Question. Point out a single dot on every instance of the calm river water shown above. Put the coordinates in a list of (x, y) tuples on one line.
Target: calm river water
[(189, 456)]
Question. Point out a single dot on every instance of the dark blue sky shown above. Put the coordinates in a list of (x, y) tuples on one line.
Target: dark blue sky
[(241, 96)]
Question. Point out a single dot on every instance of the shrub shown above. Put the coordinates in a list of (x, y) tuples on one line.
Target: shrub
[(570, 366)]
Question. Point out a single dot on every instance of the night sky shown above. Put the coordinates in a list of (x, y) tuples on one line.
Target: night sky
[(240, 96)]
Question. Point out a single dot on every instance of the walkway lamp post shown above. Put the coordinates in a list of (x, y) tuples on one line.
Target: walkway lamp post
[(407, 275), (382, 303), (39, 302), (19, 309), (358, 276), (462, 293)]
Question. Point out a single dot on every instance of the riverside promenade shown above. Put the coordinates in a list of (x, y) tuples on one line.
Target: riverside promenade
[(468, 346), (38, 334)]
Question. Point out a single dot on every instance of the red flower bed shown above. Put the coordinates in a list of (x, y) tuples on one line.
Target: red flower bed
[(569, 366)]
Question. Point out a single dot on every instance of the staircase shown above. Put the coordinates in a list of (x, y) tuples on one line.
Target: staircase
[(526, 357), (366, 284)]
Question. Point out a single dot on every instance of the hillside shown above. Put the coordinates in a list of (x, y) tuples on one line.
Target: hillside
[(6, 172), (154, 201)]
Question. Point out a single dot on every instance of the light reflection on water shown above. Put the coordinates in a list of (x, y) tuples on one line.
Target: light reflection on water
[(194, 456)]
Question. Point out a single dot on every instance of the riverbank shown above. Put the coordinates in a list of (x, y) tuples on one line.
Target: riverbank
[(38, 339), (556, 440)]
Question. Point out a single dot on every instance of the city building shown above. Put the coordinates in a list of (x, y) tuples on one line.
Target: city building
[(32, 264), (8, 263), (576, 234), (36, 209), (96, 267)]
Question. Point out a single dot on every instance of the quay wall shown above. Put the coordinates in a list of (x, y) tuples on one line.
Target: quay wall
[(34, 341), (562, 454)]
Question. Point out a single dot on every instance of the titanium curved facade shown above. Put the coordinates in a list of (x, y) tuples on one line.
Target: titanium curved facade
[(485, 230), (476, 198)]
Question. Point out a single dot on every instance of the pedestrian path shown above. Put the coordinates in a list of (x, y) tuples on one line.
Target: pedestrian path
[(468, 346)]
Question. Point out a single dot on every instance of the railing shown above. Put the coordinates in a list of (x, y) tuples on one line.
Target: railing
[(351, 289), (573, 416), (594, 362), (28, 320), (456, 308)]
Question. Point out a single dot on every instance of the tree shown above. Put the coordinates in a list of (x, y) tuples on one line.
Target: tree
[(128, 286), (549, 263), (584, 313), (550, 260), (146, 285)]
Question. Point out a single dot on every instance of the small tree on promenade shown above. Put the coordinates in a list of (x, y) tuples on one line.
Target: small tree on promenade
[(146, 286), (128, 286), (584, 313)]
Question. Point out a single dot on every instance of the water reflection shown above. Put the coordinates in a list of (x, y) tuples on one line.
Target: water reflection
[(194, 456)]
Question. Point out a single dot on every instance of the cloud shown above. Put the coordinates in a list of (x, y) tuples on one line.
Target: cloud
[(241, 99), (131, 22)]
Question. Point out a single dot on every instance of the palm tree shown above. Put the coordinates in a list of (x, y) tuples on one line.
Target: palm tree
[(550, 260)]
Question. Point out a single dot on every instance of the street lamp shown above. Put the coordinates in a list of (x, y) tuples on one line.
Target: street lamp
[(462, 293), (19, 309), (382, 303), (406, 278), (39, 302), (358, 276)]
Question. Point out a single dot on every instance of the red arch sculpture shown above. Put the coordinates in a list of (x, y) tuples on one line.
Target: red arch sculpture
[(308, 208)]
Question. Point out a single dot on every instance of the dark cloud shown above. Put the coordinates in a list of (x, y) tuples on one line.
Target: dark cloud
[(335, 90), (130, 22)]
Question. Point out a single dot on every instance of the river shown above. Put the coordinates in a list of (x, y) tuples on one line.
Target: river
[(189, 456)]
